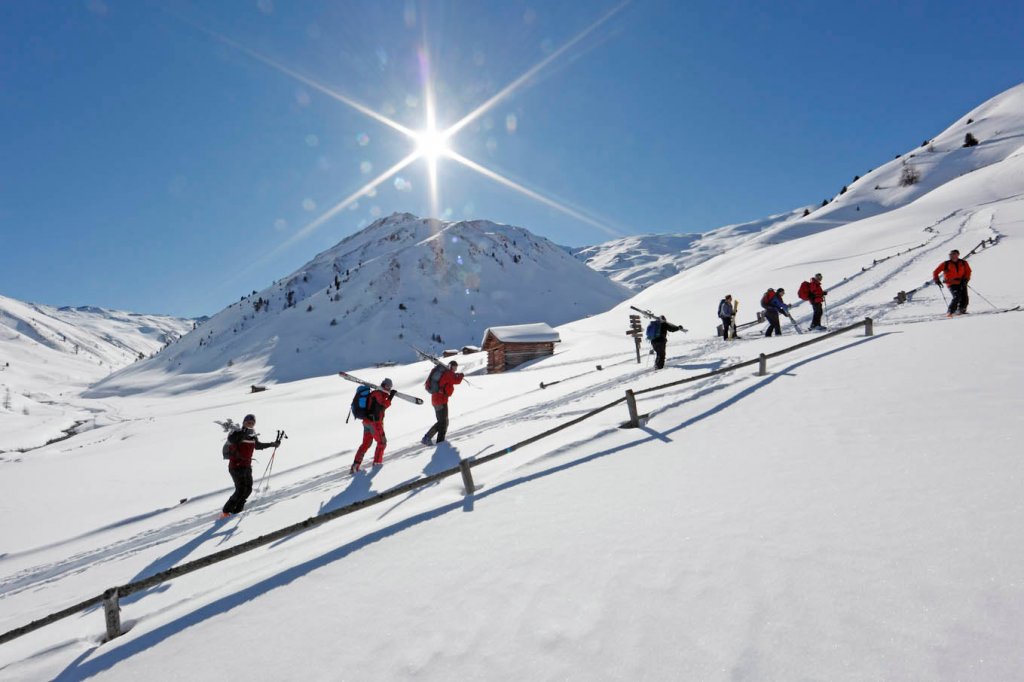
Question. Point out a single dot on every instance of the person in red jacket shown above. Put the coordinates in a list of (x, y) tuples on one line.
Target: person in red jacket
[(439, 399), (245, 442), (373, 425), (957, 274), (816, 297)]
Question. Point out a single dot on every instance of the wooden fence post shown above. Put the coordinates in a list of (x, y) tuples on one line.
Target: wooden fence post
[(467, 477), (634, 417), (112, 611), (762, 365), (869, 327)]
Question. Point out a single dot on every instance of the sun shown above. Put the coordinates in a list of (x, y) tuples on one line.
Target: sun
[(432, 144)]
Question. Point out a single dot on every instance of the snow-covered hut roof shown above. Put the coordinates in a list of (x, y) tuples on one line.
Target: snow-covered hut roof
[(537, 332)]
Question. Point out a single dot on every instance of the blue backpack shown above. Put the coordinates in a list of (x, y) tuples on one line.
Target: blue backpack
[(361, 402), (653, 329)]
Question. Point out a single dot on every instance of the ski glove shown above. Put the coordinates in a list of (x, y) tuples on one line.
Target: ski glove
[(938, 283), (277, 443), (392, 394)]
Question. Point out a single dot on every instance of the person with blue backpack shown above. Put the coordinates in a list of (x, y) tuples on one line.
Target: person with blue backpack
[(372, 414), (657, 333)]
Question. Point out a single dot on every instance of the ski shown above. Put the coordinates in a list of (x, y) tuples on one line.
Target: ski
[(424, 355), (398, 394), (437, 361), (649, 314)]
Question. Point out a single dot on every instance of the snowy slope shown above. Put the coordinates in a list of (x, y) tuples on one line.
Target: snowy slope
[(853, 515), (48, 355), (401, 280)]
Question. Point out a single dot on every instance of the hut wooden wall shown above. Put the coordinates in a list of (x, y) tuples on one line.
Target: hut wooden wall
[(502, 355)]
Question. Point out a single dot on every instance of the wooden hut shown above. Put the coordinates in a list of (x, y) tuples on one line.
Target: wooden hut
[(508, 347)]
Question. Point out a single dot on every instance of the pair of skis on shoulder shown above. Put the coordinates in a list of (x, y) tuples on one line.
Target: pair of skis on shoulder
[(376, 387), (424, 355), (398, 394), (649, 314)]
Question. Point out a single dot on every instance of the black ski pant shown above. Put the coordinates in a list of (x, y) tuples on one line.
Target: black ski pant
[(441, 427), (772, 316), (242, 476), (659, 352), (816, 318), (960, 299), (726, 327)]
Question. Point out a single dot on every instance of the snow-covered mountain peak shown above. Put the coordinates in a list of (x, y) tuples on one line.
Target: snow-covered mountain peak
[(401, 279)]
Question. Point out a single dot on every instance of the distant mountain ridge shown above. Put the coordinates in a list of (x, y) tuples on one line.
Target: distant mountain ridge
[(642, 260), (402, 279), (48, 355)]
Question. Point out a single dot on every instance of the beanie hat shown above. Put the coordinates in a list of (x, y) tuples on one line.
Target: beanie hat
[(386, 384), (249, 418)]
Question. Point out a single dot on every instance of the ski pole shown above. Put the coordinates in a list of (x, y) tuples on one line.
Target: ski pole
[(982, 297), (941, 291), (268, 471)]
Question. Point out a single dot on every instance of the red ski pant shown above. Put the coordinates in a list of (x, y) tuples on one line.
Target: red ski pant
[(372, 431)]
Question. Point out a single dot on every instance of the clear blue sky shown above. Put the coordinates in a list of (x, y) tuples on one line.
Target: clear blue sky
[(171, 156)]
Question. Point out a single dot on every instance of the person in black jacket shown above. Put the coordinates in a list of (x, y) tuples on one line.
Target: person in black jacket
[(660, 340), (245, 443)]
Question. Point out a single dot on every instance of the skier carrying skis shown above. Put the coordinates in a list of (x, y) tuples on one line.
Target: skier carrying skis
[(445, 386), (773, 305), (957, 275), (245, 442), (373, 425), (726, 313), (660, 340), (816, 296)]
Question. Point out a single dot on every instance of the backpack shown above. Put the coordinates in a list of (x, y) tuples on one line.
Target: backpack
[(804, 292), (653, 329), (361, 402), (228, 449), (767, 298), (433, 382)]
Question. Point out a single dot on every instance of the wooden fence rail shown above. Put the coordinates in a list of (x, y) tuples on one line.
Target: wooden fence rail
[(111, 597)]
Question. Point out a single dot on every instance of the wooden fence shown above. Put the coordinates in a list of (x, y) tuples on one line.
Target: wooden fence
[(111, 597)]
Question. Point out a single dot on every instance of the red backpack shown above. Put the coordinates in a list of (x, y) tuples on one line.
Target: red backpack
[(804, 292), (767, 298)]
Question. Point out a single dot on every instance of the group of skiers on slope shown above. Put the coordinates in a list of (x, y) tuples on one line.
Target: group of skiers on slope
[(243, 441), (440, 384), (956, 272), (773, 305), (442, 380)]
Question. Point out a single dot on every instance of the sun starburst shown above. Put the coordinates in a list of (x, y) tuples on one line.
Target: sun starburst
[(432, 144)]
